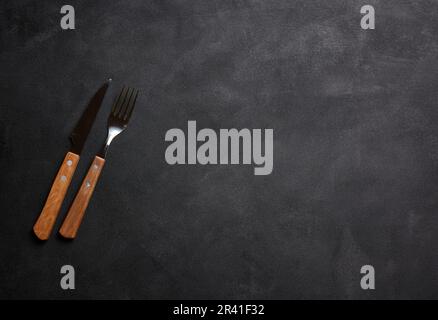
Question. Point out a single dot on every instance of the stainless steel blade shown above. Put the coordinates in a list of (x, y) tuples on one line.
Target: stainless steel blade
[(83, 127)]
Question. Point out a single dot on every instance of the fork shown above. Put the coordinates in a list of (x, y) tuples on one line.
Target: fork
[(117, 122)]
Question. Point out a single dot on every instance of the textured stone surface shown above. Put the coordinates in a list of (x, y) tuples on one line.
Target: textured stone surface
[(355, 119)]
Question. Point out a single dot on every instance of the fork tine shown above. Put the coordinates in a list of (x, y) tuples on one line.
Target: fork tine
[(119, 102), (125, 104), (131, 107), (128, 104), (116, 101)]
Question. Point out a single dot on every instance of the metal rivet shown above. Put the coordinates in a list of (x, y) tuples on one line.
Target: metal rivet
[(95, 167), (63, 178), (69, 162), (87, 184)]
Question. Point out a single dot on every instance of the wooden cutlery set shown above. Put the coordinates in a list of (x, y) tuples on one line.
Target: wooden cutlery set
[(117, 122)]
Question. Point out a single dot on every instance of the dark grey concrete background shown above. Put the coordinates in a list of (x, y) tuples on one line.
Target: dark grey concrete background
[(355, 119)]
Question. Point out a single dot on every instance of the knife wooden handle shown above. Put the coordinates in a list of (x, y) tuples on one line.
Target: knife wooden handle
[(46, 220), (74, 217)]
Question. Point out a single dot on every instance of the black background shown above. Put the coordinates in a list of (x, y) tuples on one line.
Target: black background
[(355, 177)]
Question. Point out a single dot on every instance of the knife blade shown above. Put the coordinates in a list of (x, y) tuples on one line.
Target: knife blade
[(82, 129), (46, 220)]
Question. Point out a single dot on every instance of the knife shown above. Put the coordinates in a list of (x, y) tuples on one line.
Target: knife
[(44, 225)]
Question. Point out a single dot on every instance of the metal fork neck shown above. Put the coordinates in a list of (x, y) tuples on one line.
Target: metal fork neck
[(112, 133)]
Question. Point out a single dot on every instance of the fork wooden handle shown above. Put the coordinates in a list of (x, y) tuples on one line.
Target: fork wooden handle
[(44, 225), (74, 217)]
